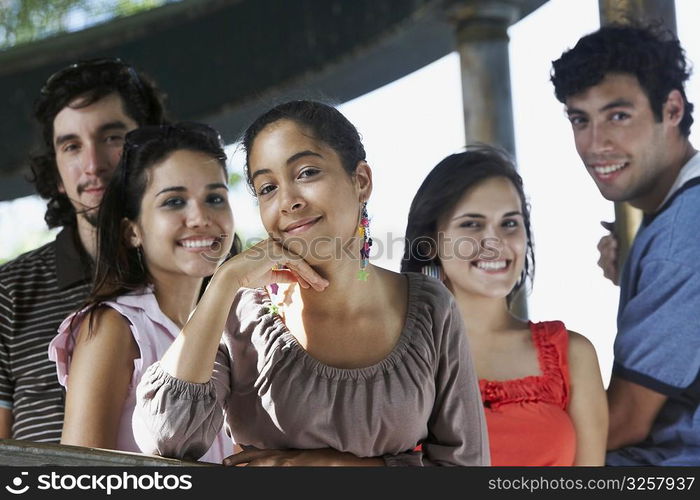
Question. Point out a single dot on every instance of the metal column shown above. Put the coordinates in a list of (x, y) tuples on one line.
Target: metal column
[(628, 218)]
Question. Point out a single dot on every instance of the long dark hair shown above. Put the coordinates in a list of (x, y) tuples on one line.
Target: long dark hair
[(439, 194), (91, 80), (118, 266)]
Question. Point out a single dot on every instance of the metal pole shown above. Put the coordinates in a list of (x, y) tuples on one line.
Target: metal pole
[(482, 42)]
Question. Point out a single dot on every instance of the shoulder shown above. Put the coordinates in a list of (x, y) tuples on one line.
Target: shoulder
[(432, 312), (582, 353), (578, 342), (106, 324), (37, 260), (428, 290), (430, 301), (679, 222)]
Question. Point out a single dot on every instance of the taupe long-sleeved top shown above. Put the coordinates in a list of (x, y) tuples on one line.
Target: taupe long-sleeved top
[(274, 395)]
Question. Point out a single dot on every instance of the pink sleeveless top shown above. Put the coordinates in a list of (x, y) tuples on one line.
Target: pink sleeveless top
[(153, 332)]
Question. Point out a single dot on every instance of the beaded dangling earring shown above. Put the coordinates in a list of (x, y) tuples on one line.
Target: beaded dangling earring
[(365, 244)]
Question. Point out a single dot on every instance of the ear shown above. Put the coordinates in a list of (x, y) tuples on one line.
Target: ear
[(131, 233), (61, 189), (674, 108), (363, 180)]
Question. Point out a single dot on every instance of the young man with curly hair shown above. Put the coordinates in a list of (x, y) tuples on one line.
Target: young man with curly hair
[(623, 87), (84, 111)]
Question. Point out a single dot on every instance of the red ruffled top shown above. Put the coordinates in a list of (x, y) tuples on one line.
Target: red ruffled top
[(526, 417)]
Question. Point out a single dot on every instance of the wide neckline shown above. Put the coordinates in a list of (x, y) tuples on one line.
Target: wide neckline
[(390, 359), (536, 339), (545, 387)]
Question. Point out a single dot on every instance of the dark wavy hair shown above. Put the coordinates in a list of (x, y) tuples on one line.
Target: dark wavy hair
[(91, 80), (652, 54), (441, 191), (324, 122), (118, 266)]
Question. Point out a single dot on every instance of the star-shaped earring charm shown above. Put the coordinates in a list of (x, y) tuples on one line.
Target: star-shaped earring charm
[(362, 275)]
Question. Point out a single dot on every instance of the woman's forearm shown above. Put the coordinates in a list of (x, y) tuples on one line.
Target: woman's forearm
[(191, 356)]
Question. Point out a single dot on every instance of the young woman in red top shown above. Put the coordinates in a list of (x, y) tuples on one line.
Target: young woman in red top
[(469, 225)]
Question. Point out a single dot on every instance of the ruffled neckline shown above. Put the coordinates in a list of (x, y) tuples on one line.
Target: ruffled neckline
[(550, 386), (291, 343)]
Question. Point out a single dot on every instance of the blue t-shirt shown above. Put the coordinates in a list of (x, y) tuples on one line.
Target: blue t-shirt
[(658, 323)]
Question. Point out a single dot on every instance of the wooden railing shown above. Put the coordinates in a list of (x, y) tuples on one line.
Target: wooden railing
[(26, 453)]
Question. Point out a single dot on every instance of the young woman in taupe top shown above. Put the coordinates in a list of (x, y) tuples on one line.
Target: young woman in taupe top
[(351, 371)]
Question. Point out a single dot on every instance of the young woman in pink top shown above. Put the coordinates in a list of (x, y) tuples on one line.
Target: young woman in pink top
[(469, 226), (164, 225)]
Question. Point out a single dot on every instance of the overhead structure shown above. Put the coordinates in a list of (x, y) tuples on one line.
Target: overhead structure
[(224, 61)]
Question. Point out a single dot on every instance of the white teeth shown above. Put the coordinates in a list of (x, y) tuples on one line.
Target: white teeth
[(490, 266), (196, 243), (608, 169)]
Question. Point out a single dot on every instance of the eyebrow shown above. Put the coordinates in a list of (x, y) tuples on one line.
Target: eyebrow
[(480, 216), (115, 125), (289, 161), (617, 103), (181, 189)]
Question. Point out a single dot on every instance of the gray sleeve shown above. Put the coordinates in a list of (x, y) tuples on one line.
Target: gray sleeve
[(181, 419), (457, 432)]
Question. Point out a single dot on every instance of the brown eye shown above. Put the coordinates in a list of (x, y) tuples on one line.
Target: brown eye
[(267, 188), (309, 172)]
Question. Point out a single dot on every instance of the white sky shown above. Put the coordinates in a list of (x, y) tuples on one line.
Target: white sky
[(410, 125)]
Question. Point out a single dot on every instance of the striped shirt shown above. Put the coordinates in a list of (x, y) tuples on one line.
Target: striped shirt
[(38, 290)]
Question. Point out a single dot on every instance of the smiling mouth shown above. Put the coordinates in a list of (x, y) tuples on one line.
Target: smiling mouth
[(198, 244), (607, 171), (492, 266), (301, 226)]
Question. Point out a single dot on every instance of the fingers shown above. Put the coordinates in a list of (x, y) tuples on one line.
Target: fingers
[(269, 262), (253, 457), (305, 273), (302, 272), (245, 456), (607, 246), (607, 243)]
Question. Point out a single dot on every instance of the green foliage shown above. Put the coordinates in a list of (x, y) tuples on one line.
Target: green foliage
[(30, 241), (23, 21), (234, 178)]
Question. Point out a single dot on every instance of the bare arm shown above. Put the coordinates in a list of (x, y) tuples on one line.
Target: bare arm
[(5, 423), (633, 409), (191, 356), (588, 407), (98, 381), (326, 457)]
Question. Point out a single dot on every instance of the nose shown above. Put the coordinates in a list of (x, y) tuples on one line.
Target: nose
[(291, 201), (198, 215), (599, 139), (95, 160), (490, 241)]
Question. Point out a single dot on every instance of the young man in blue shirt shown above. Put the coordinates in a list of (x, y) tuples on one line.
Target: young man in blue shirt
[(624, 96)]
